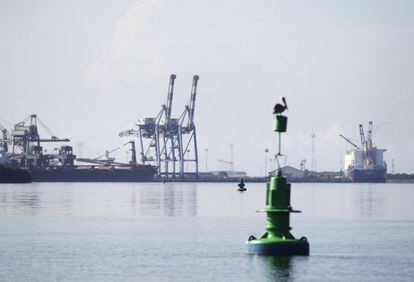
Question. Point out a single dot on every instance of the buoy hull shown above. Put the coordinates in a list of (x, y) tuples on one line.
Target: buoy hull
[(278, 247)]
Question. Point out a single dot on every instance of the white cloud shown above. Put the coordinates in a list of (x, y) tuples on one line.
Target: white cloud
[(333, 131), (134, 48)]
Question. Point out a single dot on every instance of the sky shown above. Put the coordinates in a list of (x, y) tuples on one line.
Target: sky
[(90, 68)]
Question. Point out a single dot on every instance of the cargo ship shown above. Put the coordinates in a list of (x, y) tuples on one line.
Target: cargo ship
[(10, 174), (365, 163), (93, 174), (21, 148)]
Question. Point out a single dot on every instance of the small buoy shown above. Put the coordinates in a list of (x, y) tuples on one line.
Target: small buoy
[(241, 185)]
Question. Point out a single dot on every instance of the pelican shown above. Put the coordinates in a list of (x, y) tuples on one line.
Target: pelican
[(279, 108)]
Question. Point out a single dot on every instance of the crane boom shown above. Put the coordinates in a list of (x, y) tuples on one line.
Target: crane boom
[(113, 150), (349, 141), (362, 134), (129, 133), (192, 101), (369, 134), (169, 98)]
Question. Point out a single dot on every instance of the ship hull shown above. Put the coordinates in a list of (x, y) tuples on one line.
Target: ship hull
[(141, 174), (367, 175), (14, 175)]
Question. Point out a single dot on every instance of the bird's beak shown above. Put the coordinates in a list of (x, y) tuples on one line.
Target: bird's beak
[(284, 102)]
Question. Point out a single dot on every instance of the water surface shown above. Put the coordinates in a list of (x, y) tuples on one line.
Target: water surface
[(196, 231)]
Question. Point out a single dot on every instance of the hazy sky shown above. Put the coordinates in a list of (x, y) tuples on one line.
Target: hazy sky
[(90, 68)]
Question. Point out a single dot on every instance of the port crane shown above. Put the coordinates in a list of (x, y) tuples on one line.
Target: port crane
[(369, 136), (367, 148), (150, 130), (26, 135), (367, 144), (188, 128), (26, 144), (362, 135), (166, 130), (165, 141)]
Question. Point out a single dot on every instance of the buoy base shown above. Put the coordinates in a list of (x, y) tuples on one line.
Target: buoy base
[(276, 246)]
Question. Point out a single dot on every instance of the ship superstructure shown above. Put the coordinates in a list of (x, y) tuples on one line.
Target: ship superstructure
[(365, 163)]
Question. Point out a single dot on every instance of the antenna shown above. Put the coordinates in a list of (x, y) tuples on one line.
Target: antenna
[(206, 151), (313, 157), (231, 163), (303, 164), (340, 158)]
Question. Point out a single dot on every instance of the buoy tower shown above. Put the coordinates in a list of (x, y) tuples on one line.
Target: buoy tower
[(277, 240)]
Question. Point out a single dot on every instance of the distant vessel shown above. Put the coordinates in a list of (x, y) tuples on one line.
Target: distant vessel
[(365, 163), (21, 148)]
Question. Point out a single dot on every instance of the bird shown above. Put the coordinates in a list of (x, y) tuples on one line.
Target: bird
[(279, 108)]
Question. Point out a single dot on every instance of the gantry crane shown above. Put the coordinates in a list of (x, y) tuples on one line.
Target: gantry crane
[(26, 136), (151, 135), (166, 130), (162, 138), (26, 144), (188, 128)]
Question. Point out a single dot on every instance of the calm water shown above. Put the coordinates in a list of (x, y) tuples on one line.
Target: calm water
[(196, 232)]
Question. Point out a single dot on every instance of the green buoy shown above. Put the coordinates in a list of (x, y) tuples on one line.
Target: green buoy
[(241, 185), (277, 239)]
